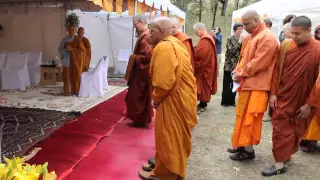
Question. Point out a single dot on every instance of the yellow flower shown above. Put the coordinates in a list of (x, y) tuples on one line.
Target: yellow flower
[(50, 176)]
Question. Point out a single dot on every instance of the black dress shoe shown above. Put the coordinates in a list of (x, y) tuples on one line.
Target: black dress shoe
[(152, 161), (233, 150), (272, 170), (243, 155)]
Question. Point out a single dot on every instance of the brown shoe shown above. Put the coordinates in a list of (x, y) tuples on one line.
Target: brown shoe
[(147, 176)]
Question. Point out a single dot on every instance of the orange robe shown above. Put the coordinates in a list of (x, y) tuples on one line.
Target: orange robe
[(255, 67), (299, 74), (175, 96), (87, 61), (205, 65), (313, 131), (187, 41), (138, 98), (77, 59)]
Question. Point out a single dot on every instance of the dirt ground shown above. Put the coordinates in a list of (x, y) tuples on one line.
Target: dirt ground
[(211, 138)]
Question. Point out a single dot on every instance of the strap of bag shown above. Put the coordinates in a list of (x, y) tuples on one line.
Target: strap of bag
[(283, 51)]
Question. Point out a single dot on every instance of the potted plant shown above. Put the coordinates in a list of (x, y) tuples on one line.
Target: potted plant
[(72, 20)]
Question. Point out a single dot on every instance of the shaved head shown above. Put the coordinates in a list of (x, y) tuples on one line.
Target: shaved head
[(140, 22), (250, 20), (175, 23), (200, 29), (160, 28), (302, 21), (80, 32), (301, 29)]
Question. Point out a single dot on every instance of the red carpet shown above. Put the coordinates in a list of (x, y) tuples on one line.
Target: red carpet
[(66, 147), (118, 156)]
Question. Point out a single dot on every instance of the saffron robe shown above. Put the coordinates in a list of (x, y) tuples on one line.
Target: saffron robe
[(313, 131), (138, 98), (256, 60), (87, 61), (176, 100), (77, 59), (187, 41), (299, 74), (205, 65)]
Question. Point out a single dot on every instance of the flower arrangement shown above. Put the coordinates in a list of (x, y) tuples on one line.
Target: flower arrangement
[(72, 20), (16, 169)]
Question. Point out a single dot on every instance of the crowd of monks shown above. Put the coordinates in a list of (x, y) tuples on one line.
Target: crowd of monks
[(168, 74), (75, 51)]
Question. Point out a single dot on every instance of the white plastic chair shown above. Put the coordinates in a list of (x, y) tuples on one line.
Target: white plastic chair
[(2, 65), (105, 84), (121, 63), (91, 82), (34, 62), (15, 75)]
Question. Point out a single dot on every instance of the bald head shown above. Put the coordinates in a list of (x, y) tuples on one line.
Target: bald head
[(140, 22), (175, 23), (301, 29), (200, 29), (160, 28), (250, 20), (80, 32)]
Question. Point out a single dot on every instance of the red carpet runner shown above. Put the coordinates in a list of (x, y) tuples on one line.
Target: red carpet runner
[(117, 157), (66, 147)]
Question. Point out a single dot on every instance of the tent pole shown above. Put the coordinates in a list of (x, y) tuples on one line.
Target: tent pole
[(133, 29)]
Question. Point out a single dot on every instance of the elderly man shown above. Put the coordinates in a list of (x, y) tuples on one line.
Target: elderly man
[(87, 45), (205, 65), (138, 99), (73, 55), (174, 97), (186, 40), (253, 73), (294, 77)]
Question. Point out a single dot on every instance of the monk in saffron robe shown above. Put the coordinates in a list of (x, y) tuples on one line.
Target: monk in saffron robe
[(65, 58), (174, 98), (312, 136), (138, 99), (87, 45), (254, 73), (205, 65), (294, 77), (186, 40), (77, 59)]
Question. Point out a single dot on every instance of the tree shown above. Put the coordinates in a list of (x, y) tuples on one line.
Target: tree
[(214, 8), (236, 5), (224, 7)]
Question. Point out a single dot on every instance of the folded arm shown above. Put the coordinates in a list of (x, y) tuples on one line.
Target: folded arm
[(163, 70), (262, 59)]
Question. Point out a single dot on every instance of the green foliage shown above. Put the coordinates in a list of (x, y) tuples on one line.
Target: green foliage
[(72, 20)]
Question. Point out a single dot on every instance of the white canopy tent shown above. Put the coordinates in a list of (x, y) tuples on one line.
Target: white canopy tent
[(33, 27), (276, 10)]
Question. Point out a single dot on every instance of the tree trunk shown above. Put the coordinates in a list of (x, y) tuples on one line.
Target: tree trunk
[(214, 13), (245, 3), (200, 13), (236, 5), (224, 7)]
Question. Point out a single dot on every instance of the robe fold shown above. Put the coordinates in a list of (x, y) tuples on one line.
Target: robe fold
[(187, 41), (313, 131), (255, 67), (87, 61), (138, 98), (176, 100), (205, 65), (77, 59), (298, 77)]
